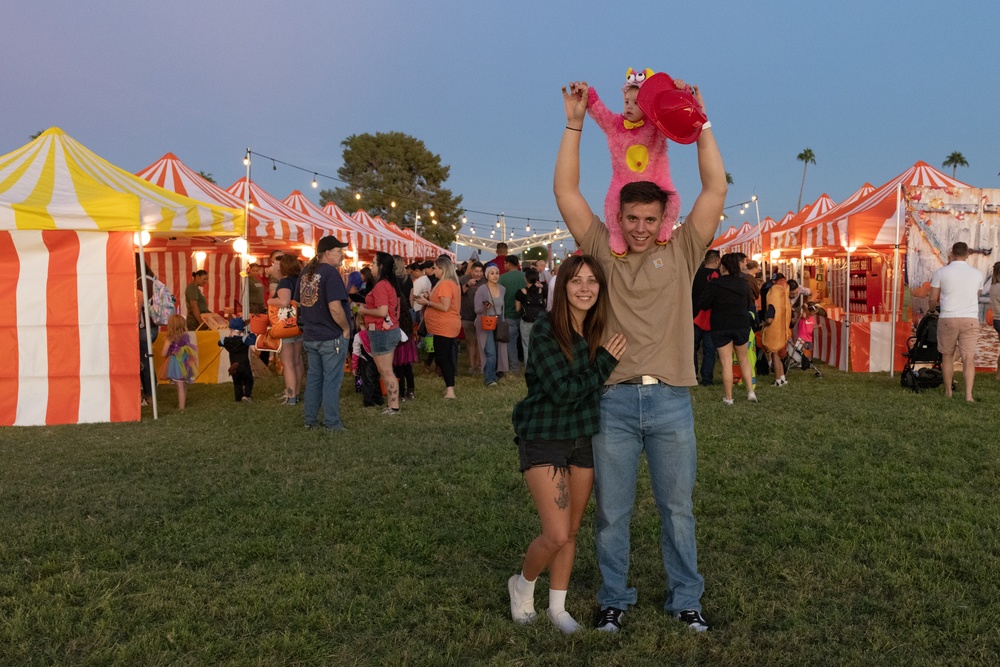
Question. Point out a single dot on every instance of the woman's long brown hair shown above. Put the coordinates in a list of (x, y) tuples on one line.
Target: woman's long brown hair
[(596, 319)]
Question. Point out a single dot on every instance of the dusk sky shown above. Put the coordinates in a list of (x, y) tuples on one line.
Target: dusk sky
[(870, 87)]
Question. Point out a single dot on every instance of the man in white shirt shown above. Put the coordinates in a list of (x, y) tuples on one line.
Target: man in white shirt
[(956, 287)]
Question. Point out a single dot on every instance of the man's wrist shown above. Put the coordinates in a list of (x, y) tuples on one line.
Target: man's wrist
[(569, 126)]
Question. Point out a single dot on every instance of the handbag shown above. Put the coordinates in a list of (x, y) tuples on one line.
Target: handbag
[(284, 320), (502, 333)]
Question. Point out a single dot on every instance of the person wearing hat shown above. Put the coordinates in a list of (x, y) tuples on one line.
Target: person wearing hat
[(324, 316), (646, 403), (237, 344)]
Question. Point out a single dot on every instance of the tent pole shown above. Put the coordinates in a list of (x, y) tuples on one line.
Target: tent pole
[(245, 292), (895, 287), (149, 324), (847, 313)]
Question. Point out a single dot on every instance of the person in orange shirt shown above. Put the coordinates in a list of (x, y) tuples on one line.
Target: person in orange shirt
[(443, 319)]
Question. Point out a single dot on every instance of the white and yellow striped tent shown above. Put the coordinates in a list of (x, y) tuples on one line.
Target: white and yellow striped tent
[(67, 217)]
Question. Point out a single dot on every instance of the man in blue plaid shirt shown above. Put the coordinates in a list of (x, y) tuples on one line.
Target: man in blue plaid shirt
[(646, 405)]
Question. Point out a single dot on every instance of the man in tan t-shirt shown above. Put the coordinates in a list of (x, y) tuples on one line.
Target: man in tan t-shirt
[(646, 407)]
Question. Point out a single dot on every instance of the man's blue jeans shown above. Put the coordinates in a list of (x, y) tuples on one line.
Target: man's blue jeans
[(708, 354), (655, 419), (326, 373), (514, 325)]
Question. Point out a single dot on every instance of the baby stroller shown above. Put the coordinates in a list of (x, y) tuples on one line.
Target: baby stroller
[(796, 357), (922, 369)]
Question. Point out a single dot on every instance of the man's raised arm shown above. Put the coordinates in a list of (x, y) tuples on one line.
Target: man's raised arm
[(566, 184), (707, 209)]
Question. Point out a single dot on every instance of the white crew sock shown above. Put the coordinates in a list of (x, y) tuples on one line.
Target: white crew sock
[(557, 612), (557, 601), (524, 587)]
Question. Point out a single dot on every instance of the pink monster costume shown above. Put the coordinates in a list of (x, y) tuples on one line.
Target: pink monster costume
[(638, 153)]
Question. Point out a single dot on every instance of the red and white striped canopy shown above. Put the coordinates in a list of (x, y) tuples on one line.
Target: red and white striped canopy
[(813, 234), (749, 241), (871, 221), (392, 244), (785, 236), (278, 222), (725, 237), (345, 229), (368, 238), (263, 226)]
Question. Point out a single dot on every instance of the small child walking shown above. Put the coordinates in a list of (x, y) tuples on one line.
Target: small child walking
[(181, 352), (238, 343)]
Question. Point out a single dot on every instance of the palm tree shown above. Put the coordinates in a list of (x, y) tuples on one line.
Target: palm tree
[(729, 178), (807, 157), (955, 160)]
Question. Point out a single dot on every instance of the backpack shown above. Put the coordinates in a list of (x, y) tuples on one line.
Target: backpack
[(161, 303), (533, 304)]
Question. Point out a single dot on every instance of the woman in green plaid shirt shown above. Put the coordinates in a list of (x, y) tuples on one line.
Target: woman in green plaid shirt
[(554, 425)]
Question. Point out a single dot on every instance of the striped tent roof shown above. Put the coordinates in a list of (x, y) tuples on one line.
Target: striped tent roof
[(871, 221), (327, 224), (264, 227), (407, 241), (279, 221), (393, 244), (369, 238), (786, 235), (749, 242), (814, 233), (725, 237), (55, 182)]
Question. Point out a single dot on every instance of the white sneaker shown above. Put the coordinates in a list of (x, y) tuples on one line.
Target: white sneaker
[(752, 397), (522, 609), (563, 621), (727, 401)]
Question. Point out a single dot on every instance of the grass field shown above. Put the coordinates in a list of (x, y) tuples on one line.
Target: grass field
[(841, 521)]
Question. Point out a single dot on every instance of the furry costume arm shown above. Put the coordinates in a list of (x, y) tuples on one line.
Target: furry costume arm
[(600, 113)]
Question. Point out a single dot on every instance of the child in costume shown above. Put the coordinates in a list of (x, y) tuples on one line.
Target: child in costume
[(638, 153), (238, 343), (181, 352)]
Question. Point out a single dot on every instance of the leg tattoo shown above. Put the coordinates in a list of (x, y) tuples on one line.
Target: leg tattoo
[(562, 500)]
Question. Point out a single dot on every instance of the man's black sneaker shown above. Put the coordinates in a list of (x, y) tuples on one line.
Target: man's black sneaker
[(694, 620), (609, 619)]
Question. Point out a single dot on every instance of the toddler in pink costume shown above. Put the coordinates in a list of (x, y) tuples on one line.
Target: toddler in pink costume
[(638, 153)]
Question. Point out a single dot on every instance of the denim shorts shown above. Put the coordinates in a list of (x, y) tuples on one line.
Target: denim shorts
[(383, 342), (557, 453)]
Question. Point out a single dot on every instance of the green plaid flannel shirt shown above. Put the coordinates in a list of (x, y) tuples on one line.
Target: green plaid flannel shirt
[(564, 398)]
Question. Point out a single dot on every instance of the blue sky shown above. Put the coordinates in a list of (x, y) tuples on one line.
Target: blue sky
[(870, 87)]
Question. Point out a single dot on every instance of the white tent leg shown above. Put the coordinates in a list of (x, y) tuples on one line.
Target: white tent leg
[(149, 338)]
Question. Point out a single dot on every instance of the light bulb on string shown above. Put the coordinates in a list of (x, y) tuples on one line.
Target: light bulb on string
[(472, 230), (315, 184), (393, 203), (357, 195), (464, 220)]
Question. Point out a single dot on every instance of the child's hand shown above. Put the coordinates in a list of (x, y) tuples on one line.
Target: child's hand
[(575, 101)]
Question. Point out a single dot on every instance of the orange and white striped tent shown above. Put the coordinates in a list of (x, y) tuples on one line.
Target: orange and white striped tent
[(366, 238), (813, 233), (67, 219), (724, 238), (348, 232), (871, 221), (787, 234), (276, 220), (390, 242)]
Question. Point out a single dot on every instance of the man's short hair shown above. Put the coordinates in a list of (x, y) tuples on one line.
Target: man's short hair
[(513, 261), (476, 264), (531, 276), (793, 285), (501, 246), (960, 250), (644, 192), (712, 256)]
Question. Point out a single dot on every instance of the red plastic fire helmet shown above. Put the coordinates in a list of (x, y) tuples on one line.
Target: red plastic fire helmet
[(675, 112)]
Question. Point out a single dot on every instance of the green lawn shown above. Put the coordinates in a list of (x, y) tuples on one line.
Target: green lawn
[(841, 521)]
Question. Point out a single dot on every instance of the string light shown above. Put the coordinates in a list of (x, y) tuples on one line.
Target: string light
[(393, 203), (274, 167), (315, 183), (357, 195)]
